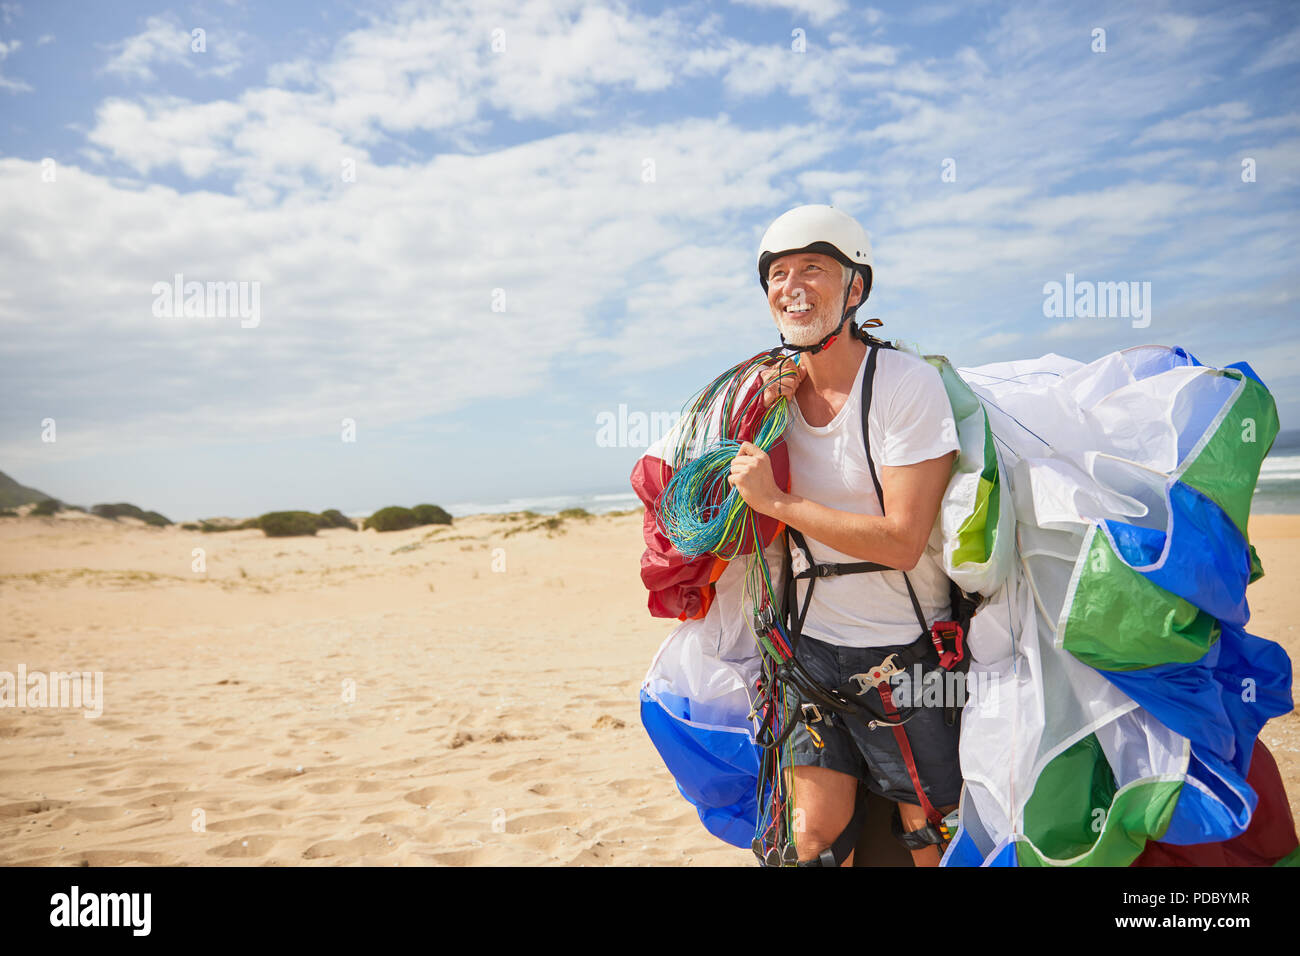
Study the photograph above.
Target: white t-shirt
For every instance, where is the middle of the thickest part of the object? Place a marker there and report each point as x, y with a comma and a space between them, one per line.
909, 408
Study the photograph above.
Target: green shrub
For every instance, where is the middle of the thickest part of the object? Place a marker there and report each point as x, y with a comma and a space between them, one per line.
189, 526
212, 527
333, 518
120, 510
286, 524
431, 514
48, 507
394, 518
124, 510
8, 513
574, 513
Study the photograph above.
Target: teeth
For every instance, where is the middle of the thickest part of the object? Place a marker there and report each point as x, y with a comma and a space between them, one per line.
791, 308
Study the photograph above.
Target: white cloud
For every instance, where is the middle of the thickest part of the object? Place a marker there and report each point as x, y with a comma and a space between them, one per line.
367, 285
444, 70
164, 41
6, 83
817, 11
1208, 122
1283, 51
367, 288
1179, 27
932, 13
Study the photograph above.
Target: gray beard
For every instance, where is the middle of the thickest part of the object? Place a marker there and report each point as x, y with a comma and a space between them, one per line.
807, 334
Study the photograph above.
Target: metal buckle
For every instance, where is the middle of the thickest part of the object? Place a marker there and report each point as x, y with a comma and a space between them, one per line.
877, 675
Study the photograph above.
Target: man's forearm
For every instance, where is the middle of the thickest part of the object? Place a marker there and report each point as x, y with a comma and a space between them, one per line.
881, 539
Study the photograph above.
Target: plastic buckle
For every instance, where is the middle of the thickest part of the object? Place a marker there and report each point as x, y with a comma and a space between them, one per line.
877, 675
812, 715
944, 633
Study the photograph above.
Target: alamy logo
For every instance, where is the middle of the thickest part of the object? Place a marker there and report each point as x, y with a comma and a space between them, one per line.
102, 909
626, 429
1098, 300
82, 689
179, 299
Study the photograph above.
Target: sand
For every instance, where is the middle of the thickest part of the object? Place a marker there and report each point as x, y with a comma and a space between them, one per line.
460, 696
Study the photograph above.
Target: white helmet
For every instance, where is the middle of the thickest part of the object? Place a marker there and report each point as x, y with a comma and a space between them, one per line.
817, 229
823, 229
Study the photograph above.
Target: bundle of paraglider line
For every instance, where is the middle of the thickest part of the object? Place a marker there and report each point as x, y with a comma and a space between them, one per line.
1114, 698
702, 514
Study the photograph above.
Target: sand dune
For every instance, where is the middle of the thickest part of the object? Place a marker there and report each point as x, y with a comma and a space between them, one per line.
461, 696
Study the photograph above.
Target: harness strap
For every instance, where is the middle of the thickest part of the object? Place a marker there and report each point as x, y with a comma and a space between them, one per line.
815, 571
931, 814
839, 851
868, 380
831, 570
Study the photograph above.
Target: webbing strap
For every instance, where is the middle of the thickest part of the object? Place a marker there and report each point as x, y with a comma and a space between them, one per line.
832, 570
868, 381
931, 814
838, 852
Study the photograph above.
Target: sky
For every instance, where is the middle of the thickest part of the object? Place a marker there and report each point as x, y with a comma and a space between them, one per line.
465, 234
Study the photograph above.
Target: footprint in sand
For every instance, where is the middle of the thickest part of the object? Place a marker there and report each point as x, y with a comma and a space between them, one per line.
96, 813
388, 816
367, 843
243, 823
116, 858
436, 796
253, 845
327, 786
30, 806
276, 774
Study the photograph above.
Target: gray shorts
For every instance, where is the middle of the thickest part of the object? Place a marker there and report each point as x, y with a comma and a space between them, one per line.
873, 756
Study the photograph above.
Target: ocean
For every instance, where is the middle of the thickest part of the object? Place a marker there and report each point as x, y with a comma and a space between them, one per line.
1277, 492
548, 505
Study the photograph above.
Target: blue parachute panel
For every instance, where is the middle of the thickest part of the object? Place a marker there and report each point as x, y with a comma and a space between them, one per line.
716, 769
1219, 704
1206, 558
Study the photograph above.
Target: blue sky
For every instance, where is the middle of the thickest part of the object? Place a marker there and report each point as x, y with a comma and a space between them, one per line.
505, 146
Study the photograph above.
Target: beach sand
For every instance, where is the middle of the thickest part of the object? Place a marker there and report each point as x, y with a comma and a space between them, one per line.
455, 696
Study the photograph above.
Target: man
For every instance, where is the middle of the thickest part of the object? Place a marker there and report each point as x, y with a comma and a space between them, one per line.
815, 265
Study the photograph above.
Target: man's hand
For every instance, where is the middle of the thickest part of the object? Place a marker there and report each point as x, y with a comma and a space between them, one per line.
782, 380
751, 475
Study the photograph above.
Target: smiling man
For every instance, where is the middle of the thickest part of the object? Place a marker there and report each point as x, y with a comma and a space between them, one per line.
815, 265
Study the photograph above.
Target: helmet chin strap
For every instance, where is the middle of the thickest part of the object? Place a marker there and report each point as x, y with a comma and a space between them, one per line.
827, 340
